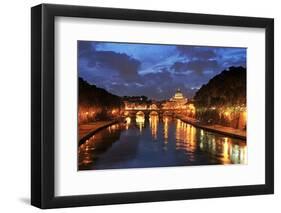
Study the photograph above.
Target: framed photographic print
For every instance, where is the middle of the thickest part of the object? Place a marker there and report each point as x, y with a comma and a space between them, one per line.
140, 106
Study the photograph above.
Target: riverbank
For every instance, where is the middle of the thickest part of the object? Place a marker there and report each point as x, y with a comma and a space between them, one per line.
87, 130
235, 133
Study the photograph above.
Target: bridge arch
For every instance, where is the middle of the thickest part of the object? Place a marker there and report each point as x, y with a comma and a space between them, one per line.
140, 113
153, 113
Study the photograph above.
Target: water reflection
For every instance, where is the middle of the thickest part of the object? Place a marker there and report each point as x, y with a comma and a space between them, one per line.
90, 151
166, 126
128, 122
153, 121
163, 141
140, 118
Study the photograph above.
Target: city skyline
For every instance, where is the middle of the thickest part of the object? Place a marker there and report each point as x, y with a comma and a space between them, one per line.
153, 70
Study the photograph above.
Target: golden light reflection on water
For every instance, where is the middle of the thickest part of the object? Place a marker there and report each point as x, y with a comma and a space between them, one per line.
223, 148
174, 134
128, 122
113, 128
140, 121
192, 135
153, 121
166, 129
185, 136
226, 150
85, 153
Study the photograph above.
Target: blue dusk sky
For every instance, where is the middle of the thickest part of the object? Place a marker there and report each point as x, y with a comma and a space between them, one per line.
153, 70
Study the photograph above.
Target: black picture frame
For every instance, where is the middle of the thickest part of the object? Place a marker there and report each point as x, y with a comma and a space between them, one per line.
43, 111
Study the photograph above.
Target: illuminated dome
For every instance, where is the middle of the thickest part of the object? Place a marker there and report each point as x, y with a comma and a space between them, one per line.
178, 95
178, 101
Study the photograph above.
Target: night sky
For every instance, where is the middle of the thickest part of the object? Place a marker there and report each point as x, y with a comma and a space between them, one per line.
155, 71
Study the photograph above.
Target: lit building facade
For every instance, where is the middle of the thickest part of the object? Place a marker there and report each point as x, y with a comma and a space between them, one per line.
177, 102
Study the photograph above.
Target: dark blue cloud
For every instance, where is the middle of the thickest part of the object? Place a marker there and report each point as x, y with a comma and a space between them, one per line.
125, 66
198, 66
194, 52
153, 70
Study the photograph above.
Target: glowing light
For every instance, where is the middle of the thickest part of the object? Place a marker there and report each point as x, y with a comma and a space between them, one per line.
166, 130
192, 136
153, 120
178, 130
128, 122
153, 106
153, 113
140, 121
140, 113
225, 150
245, 115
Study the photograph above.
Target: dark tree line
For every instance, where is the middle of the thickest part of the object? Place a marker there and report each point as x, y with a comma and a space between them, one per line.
223, 99
225, 89
99, 101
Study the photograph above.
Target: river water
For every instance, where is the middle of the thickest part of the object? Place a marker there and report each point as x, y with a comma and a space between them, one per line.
156, 141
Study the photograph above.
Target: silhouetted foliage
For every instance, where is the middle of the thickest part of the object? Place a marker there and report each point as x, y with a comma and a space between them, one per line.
223, 99
98, 99
225, 89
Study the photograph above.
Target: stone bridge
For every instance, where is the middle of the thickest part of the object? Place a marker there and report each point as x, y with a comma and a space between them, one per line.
147, 112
